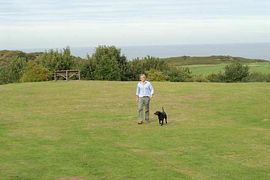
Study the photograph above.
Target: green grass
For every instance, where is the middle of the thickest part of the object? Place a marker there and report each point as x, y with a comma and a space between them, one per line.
88, 130
214, 64
206, 69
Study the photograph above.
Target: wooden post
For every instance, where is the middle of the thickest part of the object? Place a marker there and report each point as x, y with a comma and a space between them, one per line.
79, 75
66, 75
55, 76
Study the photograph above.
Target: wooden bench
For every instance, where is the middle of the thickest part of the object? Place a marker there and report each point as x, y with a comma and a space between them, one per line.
67, 74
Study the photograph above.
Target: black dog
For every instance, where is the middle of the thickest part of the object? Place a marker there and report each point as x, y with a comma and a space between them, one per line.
161, 116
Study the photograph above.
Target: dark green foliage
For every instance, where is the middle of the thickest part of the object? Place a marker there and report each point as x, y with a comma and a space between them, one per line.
16, 69
11, 72
145, 64
107, 59
236, 72
219, 77
34, 72
4, 75
88, 69
110, 64
156, 75
139, 66
57, 60
181, 74
107, 63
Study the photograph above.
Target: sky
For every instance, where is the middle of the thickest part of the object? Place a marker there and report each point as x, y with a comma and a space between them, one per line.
80, 23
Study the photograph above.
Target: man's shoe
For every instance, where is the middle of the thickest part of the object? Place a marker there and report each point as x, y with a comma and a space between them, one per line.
140, 122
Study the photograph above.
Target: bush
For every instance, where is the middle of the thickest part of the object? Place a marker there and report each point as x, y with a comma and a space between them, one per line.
88, 70
35, 72
57, 60
258, 77
236, 72
12, 71
16, 69
179, 74
138, 66
199, 78
4, 75
219, 77
155, 75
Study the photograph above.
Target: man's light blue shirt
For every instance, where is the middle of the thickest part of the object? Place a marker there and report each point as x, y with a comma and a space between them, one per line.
144, 89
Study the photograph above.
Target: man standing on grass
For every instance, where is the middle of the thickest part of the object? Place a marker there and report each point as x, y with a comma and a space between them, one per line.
144, 93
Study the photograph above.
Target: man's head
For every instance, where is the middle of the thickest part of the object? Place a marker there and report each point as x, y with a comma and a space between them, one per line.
142, 77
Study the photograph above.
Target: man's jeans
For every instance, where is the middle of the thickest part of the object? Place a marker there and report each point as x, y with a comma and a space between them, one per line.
144, 102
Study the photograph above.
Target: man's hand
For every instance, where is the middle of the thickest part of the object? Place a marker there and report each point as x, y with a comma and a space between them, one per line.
137, 98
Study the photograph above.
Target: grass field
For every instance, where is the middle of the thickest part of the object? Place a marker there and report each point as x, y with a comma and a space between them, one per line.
214, 64
88, 130
206, 69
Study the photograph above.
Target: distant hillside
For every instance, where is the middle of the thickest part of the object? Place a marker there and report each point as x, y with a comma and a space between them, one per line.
6, 56
188, 60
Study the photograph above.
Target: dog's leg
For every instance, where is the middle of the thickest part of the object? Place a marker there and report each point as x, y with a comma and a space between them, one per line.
166, 120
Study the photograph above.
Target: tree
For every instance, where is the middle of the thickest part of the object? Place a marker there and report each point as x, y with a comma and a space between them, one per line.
147, 63
15, 70
181, 74
156, 75
236, 72
110, 65
88, 69
35, 72
57, 60
4, 75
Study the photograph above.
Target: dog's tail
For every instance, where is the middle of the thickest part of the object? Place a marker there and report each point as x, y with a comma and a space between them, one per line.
163, 109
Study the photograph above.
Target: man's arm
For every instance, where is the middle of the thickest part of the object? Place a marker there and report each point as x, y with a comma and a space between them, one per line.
137, 93
151, 89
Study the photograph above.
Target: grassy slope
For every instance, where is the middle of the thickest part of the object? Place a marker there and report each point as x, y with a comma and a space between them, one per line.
88, 130
214, 64
263, 67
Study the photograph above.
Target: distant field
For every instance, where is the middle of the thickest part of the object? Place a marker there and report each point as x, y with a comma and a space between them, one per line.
215, 68
214, 64
88, 130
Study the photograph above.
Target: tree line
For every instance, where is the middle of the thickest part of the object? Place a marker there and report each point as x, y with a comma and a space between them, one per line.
108, 63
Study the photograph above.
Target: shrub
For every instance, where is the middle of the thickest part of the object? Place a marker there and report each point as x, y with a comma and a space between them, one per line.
199, 78
138, 66
35, 72
88, 70
16, 69
179, 74
57, 60
236, 72
155, 75
12, 71
219, 77
4, 75
110, 64
258, 77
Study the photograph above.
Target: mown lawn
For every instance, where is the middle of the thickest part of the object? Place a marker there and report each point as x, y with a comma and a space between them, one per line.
206, 69
88, 130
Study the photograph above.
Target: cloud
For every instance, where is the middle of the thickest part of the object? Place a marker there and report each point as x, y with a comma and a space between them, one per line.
122, 10
54, 23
